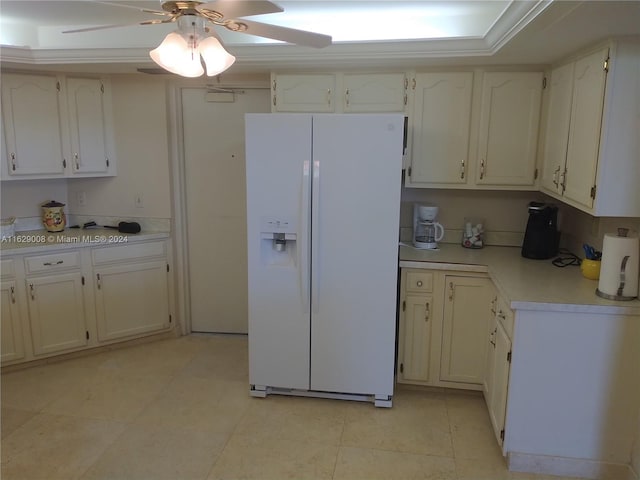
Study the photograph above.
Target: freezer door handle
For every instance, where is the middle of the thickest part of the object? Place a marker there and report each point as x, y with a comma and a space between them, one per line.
315, 244
304, 238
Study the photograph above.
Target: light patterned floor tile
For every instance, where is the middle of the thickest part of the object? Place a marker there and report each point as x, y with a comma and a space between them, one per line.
56, 447
13, 418
247, 458
417, 423
369, 464
155, 453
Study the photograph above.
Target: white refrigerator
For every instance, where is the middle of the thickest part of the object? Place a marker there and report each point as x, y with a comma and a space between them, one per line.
323, 204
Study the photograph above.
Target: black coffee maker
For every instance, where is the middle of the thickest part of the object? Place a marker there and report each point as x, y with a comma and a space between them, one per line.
542, 237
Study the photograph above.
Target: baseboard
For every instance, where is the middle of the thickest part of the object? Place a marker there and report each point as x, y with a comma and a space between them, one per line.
569, 467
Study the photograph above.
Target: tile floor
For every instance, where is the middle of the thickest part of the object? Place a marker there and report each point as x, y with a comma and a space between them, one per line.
180, 409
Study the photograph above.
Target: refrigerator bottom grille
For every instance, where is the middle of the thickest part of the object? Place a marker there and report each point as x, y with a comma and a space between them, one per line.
377, 400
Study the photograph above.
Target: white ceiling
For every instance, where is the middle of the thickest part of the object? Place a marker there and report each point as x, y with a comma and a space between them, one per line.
379, 33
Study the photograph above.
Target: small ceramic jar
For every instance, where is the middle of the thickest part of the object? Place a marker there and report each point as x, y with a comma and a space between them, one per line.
53, 217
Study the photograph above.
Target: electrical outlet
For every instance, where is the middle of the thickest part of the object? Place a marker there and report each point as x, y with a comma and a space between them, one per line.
81, 199
139, 201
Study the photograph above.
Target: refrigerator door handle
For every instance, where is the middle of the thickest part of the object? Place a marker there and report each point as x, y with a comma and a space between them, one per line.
315, 244
303, 245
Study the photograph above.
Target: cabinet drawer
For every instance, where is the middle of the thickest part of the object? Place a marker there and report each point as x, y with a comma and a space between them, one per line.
419, 282
505, 316
52, 262
7, 268
135, 251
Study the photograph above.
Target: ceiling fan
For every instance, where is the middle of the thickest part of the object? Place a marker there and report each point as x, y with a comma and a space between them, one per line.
180, 51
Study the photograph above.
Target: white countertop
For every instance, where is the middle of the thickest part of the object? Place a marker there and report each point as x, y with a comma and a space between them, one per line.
526, 284
37, 241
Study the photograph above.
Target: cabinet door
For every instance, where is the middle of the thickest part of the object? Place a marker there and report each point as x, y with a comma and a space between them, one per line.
384, 92
441, 120
88, 126
557, 130
32, 120
586, 120
417, 320
500, 381
487, 386
56, 312
303, 93
131, 299
508, 131
466, 316
12, 342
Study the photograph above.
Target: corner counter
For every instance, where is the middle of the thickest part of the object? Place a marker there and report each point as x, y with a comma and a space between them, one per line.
525, 283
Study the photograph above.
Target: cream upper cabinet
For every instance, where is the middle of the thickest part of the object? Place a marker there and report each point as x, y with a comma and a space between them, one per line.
303, 92
380, 92
33, 115
441, 124
90, 126
466, 318
560, 87
56, 126
599, 168
508, 128
11, 334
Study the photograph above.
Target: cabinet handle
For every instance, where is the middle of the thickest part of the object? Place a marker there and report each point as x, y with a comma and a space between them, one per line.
99, 283
450, 290
13, 161
75, 157
48, 264
462, 169
419, 283
13, 295
492, 337
274, 100
33, 296
481, 169
556, 173
502, 315
427, 313
346, 97
493, 305
328, 96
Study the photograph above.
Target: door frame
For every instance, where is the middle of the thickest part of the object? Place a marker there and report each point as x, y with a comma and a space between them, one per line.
175, 142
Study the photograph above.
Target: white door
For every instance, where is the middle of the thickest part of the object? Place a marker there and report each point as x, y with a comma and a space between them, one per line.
216, 207
355, 251
278, 190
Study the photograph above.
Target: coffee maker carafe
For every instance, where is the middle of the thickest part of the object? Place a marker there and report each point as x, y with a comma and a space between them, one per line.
426, 231
541, 237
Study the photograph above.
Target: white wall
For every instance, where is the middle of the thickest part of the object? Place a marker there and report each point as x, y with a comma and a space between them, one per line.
504, 212
140, 118
22, 198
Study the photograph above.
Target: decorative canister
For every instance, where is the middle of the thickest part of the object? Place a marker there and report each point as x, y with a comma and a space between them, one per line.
53, 217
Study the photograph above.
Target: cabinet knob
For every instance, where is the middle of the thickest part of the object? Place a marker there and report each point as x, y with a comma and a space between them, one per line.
419, 283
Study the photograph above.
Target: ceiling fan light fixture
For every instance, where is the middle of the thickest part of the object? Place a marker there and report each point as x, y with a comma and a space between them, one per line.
177, 56
215, 57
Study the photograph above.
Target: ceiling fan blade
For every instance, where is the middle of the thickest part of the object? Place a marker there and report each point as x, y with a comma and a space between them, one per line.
240, 8
144, 10
104, 27
285, 34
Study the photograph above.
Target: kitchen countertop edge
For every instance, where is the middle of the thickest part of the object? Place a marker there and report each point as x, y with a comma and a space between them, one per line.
526, 284
42, 241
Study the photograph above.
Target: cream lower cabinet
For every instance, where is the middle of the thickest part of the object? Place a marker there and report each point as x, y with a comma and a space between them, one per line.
56, 312
441, 336
131, 290
12, 341
498, 365
466, 316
